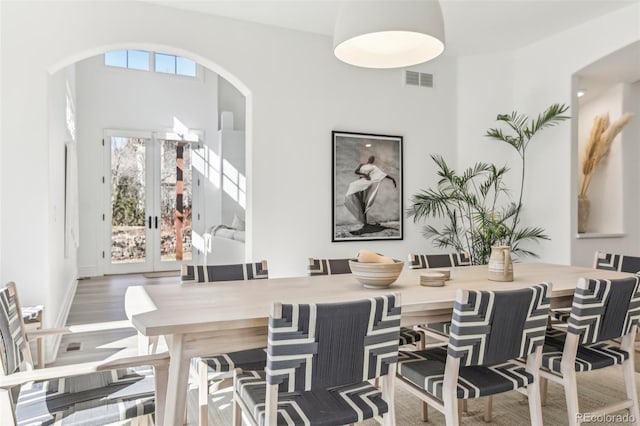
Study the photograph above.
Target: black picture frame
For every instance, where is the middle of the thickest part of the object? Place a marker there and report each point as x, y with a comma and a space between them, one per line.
367, 194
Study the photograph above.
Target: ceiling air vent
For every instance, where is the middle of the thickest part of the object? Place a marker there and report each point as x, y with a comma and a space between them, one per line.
419, 79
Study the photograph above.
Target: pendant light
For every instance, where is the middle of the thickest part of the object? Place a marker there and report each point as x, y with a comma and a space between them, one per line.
388, 34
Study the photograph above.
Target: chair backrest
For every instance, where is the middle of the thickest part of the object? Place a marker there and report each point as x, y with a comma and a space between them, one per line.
332, 344
491, 327
426, 261
604, 309
232, 272
328, 266
617, 262
14, 349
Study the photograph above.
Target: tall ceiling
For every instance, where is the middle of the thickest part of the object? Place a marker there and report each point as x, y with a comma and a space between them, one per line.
471, 26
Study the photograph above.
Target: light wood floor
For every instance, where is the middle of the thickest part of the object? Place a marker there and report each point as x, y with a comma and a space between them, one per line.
102, 331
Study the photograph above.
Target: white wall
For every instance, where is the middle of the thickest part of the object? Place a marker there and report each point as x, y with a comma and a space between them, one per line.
62, 125
297, 93
233, 194
25, 163
122, 99
1, 118
533, 78
485, 89
230, 99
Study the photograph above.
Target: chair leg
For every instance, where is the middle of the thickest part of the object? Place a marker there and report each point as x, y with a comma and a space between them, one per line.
40, 342
161, 380
452, 411
6, 407
571, 396
203, 393
632, 393
425, 412
488, 408
535, 405
544, 385
237, 411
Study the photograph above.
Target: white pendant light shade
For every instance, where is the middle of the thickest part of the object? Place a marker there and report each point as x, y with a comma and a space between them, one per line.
388, 34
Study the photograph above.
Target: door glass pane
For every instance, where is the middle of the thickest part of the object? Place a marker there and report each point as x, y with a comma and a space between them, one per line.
175, 201
128, 197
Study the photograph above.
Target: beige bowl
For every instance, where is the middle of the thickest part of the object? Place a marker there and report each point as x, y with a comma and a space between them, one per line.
376, 275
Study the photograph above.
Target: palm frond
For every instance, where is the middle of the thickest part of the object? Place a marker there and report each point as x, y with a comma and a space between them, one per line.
548, 118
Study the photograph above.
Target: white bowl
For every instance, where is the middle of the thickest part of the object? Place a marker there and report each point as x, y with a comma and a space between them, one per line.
376, 275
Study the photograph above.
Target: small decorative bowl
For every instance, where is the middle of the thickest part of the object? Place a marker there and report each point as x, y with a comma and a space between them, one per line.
376, 275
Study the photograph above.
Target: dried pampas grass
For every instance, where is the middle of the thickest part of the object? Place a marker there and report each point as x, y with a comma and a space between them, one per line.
599, 145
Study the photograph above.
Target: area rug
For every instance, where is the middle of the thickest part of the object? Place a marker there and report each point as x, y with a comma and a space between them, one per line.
509, 409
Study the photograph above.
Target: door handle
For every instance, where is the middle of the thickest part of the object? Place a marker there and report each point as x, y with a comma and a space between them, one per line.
149, 222
156, 222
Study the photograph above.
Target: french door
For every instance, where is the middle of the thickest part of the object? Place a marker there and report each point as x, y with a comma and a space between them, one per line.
149, 202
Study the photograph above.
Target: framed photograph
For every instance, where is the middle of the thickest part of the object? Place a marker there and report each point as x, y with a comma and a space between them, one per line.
367, 187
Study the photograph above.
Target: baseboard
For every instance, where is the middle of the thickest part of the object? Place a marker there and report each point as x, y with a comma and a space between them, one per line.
87, 271
51, 351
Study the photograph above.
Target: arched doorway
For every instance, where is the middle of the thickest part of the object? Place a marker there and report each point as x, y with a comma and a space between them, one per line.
149, 129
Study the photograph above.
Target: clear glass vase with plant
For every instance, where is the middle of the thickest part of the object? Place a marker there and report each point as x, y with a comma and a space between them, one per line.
476, 204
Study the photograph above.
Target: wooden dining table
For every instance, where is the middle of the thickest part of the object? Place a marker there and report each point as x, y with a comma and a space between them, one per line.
211, 318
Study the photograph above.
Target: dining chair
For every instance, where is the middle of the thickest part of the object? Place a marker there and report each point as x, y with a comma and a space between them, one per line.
316, 267
437, 333
608, 262
77, 394
602, 310
230, 272
318, 369
214, 369
490, 331
33, 318
426, 261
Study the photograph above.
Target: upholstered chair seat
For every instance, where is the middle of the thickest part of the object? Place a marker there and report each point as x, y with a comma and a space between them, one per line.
99, 398
588, 357
426, 369
339, 405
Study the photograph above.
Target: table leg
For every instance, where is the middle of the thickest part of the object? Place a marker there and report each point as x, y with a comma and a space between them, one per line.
177, 383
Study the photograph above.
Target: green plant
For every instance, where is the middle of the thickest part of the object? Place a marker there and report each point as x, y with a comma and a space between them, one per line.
477, 203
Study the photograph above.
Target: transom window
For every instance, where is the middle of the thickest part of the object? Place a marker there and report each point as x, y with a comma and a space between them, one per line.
145, 61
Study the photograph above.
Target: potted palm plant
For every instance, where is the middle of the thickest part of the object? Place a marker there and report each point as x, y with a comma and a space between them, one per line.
476, 204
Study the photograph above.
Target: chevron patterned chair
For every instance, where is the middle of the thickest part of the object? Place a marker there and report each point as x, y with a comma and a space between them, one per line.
602, 310
77, 394
33, 317
316, 267
216, 273
318, 370
212, 370
608, 262
437, 333
490, 331
427, 261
